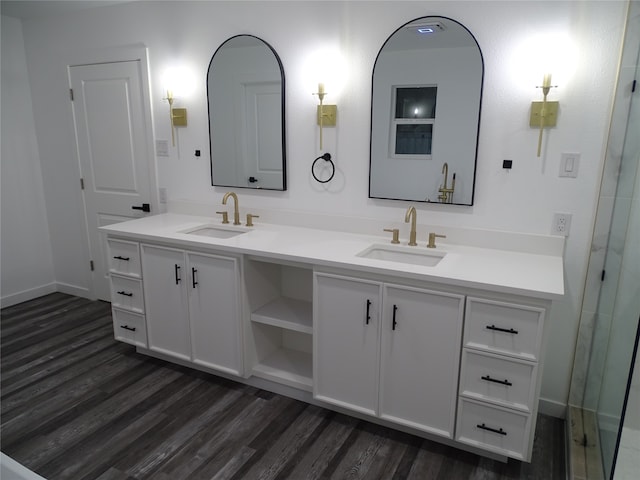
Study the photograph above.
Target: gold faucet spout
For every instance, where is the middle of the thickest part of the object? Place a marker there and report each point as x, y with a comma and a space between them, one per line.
411, 215
236, 210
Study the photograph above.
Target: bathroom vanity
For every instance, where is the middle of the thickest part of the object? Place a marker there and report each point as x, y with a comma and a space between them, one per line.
442, 342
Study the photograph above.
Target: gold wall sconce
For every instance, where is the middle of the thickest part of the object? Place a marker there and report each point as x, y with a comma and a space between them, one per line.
544, 113
326, 114
178, 116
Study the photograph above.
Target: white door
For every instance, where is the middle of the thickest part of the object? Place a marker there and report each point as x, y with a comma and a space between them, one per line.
214, 312
111, 124
420, 354
166, 304
263, 135
346, 346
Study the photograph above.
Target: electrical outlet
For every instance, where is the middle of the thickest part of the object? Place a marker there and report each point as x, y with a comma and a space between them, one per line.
561, 224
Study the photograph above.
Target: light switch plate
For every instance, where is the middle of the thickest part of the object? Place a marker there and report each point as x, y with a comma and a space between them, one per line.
569, 164
162, 148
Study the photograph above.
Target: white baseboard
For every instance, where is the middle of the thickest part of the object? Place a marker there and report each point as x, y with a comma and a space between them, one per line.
552, 408
25, 295
73, 290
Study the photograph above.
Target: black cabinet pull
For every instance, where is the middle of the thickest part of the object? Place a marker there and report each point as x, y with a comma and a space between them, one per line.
118, 257
193, 277
505, 330
253, 180
177, 271
501, 382
484, 427
394, 323
122, 292
145, 207
127, 327
368, 318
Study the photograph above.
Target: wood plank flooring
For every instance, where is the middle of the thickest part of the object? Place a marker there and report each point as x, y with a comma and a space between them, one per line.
78, 405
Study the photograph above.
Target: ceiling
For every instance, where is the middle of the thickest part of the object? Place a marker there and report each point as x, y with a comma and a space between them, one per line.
25, 9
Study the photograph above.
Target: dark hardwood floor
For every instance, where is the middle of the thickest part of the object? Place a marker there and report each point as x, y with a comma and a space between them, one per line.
76, 404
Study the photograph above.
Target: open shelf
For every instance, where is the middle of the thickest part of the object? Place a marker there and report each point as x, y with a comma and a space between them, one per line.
285, 312
287, 366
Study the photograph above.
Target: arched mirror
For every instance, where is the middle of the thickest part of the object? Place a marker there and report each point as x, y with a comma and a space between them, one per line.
425, 113
245, 91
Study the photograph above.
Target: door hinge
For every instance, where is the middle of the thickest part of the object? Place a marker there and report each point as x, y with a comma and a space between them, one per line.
91, 265
82, 183
602, 276
71, 94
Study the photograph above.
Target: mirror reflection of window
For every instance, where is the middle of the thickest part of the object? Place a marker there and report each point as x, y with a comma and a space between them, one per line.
412, 125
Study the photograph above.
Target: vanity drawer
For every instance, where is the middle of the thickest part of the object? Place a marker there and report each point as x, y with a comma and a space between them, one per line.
502, 431
129, 327
498, 379
127, 293
124, 258
505, 328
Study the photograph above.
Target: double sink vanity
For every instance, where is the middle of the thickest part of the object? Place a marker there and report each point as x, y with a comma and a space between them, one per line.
443, 342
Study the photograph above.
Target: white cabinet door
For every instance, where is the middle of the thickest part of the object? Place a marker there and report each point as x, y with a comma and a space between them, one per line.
214, 312
166, 301
420, 354
346, 346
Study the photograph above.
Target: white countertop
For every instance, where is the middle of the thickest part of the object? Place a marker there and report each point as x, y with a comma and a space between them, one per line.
529, 274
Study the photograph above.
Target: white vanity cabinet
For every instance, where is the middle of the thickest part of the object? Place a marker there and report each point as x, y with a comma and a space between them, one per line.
451, 351
388, 350
500, 375
192, 306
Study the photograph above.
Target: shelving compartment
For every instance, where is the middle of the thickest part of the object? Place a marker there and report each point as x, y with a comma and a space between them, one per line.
278, 341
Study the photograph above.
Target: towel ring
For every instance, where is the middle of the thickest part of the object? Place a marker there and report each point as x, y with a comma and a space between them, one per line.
326, 157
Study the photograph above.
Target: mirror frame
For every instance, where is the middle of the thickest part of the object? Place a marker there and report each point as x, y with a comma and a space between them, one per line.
283, 117
477, 133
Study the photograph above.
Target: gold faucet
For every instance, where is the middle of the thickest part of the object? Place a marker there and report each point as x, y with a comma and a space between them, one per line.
411, 214
236, 211
446, 194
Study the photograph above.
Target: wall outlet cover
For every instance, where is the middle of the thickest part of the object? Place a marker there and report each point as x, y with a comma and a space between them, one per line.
561, 224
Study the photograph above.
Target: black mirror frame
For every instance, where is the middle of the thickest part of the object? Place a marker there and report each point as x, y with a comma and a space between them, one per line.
283, 112
475, 164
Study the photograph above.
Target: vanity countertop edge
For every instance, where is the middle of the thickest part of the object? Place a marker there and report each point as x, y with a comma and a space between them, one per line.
520, 273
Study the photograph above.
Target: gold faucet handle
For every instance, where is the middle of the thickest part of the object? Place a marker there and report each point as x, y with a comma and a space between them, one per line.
396, 234
432, 239
225, 216
250, 218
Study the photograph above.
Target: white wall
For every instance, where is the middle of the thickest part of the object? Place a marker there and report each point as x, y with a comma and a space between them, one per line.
523, 199
27, 264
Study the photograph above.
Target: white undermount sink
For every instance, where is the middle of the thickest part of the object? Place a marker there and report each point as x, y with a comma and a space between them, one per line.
216, 231
402, 254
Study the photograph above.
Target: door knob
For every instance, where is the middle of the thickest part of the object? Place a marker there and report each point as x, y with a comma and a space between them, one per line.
145, 207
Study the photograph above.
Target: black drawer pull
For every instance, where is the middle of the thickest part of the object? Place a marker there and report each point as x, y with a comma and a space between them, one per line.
122, 292
394, 323
118, 257
193, 277
177, 271
505, 330
127, 327
501, 382
368, 318
484, 427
